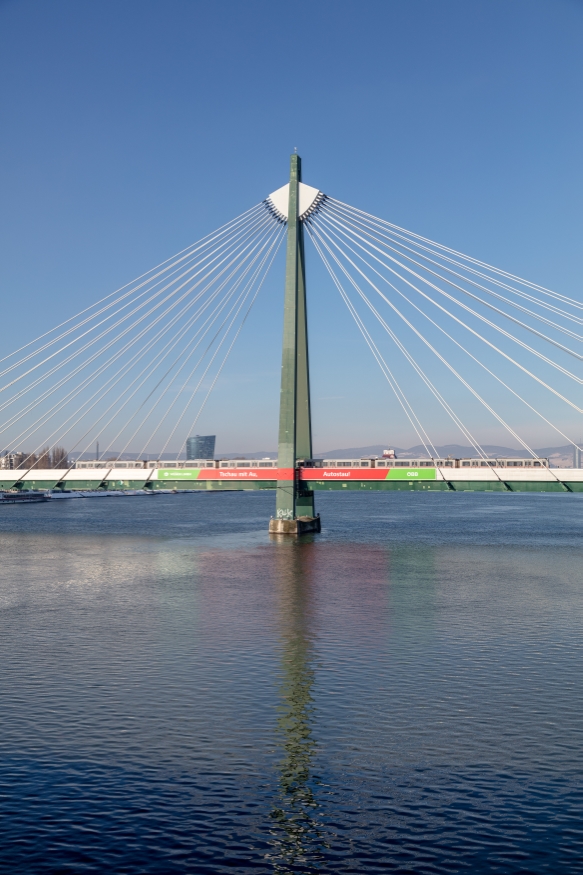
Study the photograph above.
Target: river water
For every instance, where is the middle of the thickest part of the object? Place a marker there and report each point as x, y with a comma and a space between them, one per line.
403, 692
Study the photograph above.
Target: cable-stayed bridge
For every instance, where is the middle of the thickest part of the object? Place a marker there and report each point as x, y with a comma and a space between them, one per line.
136, 369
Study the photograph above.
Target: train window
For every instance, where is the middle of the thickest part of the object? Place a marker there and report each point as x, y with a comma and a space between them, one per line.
466, 464
536, 464
380, 464
344, 464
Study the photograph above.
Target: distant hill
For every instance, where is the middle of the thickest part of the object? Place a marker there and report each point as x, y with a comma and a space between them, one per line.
456, 450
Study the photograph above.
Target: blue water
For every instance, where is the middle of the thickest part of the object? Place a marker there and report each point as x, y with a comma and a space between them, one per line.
402, 693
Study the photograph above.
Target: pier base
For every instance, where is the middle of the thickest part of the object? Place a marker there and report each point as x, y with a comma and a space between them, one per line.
300, 526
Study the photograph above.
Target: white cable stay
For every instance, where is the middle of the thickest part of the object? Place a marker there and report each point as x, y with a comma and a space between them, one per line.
103, 390
479, 336
387, 373
444, 361
162, 418
127, 316
433, 389
468, 309
378, 357
224, 361
548, 292
489, 371
397, 247
169, 385
175, 259
249, 288
132, 326
415, 246
133, 340
127, 366
423, 279
96, 373
98, 434
92, 342
485, 367
207, 325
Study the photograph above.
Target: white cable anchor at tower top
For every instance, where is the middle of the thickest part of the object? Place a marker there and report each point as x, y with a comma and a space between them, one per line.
310, 200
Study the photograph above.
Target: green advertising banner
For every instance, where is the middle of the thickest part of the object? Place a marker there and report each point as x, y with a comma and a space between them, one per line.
178, 474
410, 474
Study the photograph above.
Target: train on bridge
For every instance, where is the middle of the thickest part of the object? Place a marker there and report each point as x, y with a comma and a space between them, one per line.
456, 475
365, 462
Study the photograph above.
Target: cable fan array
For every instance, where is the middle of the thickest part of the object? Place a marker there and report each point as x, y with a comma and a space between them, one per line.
139, 365
441, 299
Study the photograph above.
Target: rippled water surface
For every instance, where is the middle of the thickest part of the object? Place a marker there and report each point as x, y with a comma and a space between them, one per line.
401, 693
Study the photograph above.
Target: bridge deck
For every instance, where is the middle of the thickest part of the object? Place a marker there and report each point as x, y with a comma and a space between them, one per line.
456, 479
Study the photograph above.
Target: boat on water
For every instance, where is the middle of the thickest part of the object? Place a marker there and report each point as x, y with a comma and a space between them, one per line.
95, 493
24, 497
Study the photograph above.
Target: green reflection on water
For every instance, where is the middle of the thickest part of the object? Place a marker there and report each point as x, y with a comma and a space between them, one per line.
296, 829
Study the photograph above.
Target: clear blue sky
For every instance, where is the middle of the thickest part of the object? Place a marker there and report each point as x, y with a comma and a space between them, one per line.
130, 129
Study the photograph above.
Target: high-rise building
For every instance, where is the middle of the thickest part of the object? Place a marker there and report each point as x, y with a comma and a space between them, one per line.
201, 446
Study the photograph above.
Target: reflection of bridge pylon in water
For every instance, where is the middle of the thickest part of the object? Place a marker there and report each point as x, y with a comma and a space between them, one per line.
296, 828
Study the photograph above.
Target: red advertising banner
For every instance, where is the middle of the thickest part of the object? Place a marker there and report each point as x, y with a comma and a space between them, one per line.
343, 474
410, 474
224, 474
304, 474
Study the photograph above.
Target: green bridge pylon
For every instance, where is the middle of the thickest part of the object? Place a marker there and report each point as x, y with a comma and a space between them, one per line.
295, 511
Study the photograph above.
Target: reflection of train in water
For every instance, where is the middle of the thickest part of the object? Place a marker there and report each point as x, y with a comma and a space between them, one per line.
369, 462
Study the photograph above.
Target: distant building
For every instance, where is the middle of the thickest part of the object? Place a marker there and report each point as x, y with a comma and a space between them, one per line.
110, 463
389, 454
201, 446
11, 461
577, 452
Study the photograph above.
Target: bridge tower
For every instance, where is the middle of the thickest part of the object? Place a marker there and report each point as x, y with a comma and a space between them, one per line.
295, 512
